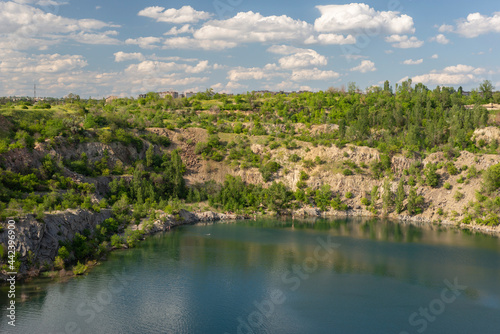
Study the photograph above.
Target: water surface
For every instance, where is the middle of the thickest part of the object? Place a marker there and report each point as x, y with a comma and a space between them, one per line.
270, 276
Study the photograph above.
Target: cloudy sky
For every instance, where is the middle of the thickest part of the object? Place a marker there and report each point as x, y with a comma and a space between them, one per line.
121, 47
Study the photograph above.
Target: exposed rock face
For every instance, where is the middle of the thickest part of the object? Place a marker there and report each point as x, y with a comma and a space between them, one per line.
42, 237
164, 222
487, 134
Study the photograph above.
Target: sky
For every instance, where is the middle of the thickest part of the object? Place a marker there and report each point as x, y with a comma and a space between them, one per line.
125, 48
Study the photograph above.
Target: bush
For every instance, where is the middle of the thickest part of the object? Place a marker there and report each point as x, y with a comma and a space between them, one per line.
365, 201
349, 195
458, 196
303, 176
63, 253
294, 158
268, 170
447, 186
116, 241
347, 172
491, 178
58, 263
451, 168
80, 269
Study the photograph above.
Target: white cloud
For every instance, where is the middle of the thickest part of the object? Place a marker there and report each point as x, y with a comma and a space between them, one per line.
404, 42
144, 42
331, 39
435, 56
251, 27
413, 62
445, 28
313, 74
202, 66
123, 56
460, 68
255, 73
185, 29
365, 66
476, 24
20, 22
191, 43
298, 57
451, 75
185, 14
97, 38
358, 17
444, 79
45, 63
441, 39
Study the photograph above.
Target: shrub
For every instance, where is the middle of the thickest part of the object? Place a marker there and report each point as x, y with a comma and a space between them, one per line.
116, 241
451, 168
349, 195
491, 178
365, 201
347, 172
63, 253
303, 176
80, 269
458, 196
447, 186
294, 158
58, 263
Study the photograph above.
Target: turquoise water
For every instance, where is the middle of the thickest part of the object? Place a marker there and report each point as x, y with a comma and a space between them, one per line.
269, 276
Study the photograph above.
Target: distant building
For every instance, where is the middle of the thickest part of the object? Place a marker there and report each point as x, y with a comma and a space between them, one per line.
143, 96
189, 94
111, 98
165, 94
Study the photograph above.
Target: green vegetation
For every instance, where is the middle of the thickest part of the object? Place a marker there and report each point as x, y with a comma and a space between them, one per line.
119, 156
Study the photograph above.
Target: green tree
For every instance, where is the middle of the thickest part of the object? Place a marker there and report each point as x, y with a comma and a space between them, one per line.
387, 196
400, 196
491, 178
150, 156
323, 196
431, 177
486, 88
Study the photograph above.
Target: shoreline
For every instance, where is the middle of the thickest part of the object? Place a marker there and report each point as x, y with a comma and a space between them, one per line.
167, 222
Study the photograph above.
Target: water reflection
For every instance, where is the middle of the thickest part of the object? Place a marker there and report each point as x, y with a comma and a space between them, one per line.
174, 276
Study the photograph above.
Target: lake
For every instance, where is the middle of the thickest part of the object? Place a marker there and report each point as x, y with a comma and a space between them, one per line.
279, 276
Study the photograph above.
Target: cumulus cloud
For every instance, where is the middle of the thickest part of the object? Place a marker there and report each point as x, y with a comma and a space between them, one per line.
123, 56
451, 75
185, 29
358, 17
460, 68
45, 63
476, 24
254, 73
192, 43
144, 42
413, 62
313, 74
446, 28
24, 22
365, 66
435, 56
404, 42
331, 39
297, 57
251, 27
185, 14
441, 39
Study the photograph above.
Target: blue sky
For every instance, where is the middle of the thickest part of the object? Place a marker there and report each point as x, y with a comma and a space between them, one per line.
101, 48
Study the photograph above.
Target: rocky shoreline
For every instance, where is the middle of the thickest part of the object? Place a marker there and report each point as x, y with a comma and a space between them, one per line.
38, 241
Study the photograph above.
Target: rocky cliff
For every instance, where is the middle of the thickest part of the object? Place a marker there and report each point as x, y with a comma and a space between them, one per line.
37, 241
